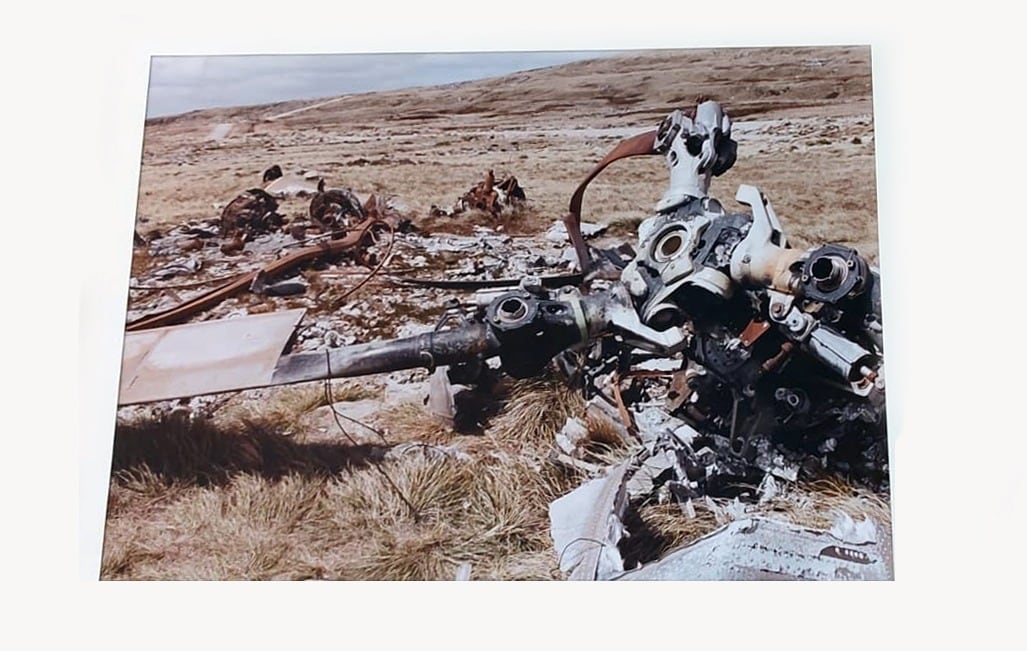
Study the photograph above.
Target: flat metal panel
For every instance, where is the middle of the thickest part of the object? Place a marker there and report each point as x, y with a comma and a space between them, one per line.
200, 358
759, 549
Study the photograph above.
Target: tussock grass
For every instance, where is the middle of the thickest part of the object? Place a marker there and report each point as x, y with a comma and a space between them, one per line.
248, 529
534, 410
357, 524
410, 421
239, 498
282, 406
493, 516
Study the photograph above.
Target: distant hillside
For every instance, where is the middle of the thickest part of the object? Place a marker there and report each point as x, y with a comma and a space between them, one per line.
612, 91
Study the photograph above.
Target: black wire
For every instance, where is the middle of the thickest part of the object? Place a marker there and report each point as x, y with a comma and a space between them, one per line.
331, 401
380, 434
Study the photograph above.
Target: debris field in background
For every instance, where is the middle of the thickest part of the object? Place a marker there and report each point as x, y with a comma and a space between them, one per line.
488, 196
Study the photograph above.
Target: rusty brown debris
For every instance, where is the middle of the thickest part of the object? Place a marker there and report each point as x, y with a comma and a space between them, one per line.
251, 213
331, 209
490, 197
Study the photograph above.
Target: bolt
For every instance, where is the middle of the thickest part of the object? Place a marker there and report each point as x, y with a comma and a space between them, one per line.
746, 259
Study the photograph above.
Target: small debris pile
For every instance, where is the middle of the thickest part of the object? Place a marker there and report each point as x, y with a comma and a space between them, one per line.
335, 209
487, 197
254, 212
272, 173
183, 263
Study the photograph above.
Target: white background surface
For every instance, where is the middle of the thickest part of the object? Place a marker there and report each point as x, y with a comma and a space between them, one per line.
949, 176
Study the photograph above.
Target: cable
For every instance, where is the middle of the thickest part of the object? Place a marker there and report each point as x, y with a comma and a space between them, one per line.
331, 401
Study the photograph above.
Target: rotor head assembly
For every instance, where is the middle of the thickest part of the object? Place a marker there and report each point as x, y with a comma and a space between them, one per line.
697, 148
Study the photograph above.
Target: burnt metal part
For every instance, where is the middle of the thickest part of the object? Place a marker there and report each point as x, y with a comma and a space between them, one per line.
697, 145
763, 549
833, 272
586, 526
428, 350
490, 196
719, 239
378, 207
512, 188
531, 330
283, 288
329, 209
753, 331
840, 354
251, 213
272, 173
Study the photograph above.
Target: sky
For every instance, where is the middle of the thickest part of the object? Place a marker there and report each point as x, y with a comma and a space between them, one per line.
185, 83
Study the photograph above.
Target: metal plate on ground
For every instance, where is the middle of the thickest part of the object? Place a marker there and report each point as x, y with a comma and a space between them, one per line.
201, 358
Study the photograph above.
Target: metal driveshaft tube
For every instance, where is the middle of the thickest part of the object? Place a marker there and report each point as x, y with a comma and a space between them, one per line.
428, 350
524, 330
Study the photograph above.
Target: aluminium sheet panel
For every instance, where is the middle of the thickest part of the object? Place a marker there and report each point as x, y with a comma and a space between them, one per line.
207, 357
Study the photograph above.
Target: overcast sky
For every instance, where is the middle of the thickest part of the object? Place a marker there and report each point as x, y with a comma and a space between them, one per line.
185, 83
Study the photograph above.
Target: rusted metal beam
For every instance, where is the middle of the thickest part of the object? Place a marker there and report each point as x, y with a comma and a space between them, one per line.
640, 145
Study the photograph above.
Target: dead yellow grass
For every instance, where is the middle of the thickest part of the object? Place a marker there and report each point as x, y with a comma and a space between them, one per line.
410, 421
534, 411
351, 526
279, 408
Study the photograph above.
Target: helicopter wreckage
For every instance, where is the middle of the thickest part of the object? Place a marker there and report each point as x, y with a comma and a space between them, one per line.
730, 361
